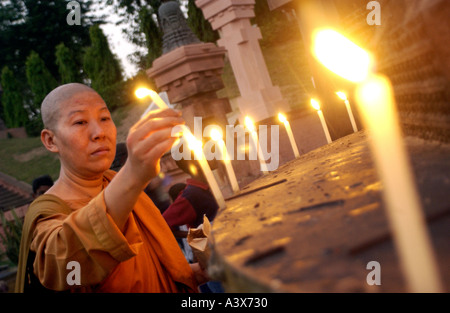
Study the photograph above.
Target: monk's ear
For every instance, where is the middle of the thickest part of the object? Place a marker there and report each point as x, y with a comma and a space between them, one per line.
48, 139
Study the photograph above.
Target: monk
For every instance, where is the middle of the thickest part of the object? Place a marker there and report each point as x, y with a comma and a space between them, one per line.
95, 230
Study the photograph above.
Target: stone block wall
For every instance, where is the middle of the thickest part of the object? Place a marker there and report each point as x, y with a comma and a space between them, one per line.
411, 47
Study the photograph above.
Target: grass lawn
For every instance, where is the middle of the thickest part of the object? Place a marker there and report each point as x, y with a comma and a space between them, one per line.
26, 158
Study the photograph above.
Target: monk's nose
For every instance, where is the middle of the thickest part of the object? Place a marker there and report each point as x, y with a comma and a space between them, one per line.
97, 131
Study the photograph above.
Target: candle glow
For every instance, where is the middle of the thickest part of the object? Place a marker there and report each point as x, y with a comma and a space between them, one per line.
254, 138
193, 144
316, 105
197, 147
217, 137
376, 101
287, 125
341, 56
343, 96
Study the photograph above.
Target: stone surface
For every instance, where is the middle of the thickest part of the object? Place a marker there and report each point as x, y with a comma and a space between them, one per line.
315, 223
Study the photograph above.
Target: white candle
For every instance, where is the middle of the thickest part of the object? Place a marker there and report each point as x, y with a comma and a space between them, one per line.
255, 142
375, 98
217, 137
287, 125
144, 92
376, 103
196, 146
343, 96
193, 144
316, 106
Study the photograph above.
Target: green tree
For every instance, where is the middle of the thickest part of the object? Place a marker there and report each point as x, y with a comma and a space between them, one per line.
153, 36
275, 26
103, 68
13, 105
68, 69
27, 25
41, 82
145, 31
199, 25
39, 79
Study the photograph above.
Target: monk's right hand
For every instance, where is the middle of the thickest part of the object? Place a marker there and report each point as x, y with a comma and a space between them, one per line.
148, 140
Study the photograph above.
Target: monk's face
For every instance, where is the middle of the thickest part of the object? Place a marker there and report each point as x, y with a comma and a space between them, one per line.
85, 135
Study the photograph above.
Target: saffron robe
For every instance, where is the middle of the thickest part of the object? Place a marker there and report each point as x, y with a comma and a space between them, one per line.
145, 257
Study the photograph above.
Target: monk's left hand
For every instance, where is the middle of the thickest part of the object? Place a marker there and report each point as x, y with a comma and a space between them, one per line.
200, 274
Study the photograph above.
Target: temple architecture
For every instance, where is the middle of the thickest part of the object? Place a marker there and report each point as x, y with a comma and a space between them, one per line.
259, 97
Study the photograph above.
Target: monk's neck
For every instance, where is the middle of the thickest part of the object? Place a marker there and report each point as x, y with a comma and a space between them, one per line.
72, 186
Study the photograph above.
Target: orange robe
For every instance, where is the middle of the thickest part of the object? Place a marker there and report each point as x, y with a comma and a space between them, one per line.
145, 257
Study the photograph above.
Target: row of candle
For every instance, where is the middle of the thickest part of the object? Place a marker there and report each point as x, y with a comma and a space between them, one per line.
216, 135
375, 99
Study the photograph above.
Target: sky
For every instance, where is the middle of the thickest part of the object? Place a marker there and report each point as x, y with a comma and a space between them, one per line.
119, 45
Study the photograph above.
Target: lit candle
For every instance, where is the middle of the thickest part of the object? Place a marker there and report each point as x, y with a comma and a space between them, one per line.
284, 120
376, 103
254, 139
144, 92
217, 137
316, 105
196, 146
193, 144
343, 96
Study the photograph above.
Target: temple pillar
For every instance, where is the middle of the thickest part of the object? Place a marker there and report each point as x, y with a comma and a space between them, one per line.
190, 72
259, 97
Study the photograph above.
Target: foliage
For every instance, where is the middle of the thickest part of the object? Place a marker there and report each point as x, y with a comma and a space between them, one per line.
65, 60
275, 27
148, 34
39, 78
27, 25
199, 25
41, 82
11, 238
100, 63
153, 36
14, 112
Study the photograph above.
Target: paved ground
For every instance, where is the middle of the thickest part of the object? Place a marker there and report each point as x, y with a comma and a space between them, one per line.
318, 221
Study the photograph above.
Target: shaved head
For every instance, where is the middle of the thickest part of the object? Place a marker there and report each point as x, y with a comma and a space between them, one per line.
51, 104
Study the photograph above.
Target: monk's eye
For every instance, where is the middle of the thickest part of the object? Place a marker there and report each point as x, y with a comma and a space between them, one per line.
80, 122
105, 118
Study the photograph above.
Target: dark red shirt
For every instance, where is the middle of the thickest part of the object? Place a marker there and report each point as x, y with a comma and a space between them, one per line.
191, 204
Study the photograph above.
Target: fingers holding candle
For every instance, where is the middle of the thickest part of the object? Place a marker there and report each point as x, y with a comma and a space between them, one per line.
169, 114
193, 144
147, 141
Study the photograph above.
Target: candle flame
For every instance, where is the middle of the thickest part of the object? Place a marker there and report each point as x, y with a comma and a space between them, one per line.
375, 92
341, 95
215, 134
249, 123
194, 144
341, 55
315, 104
282, 118
142, 92
193, 170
